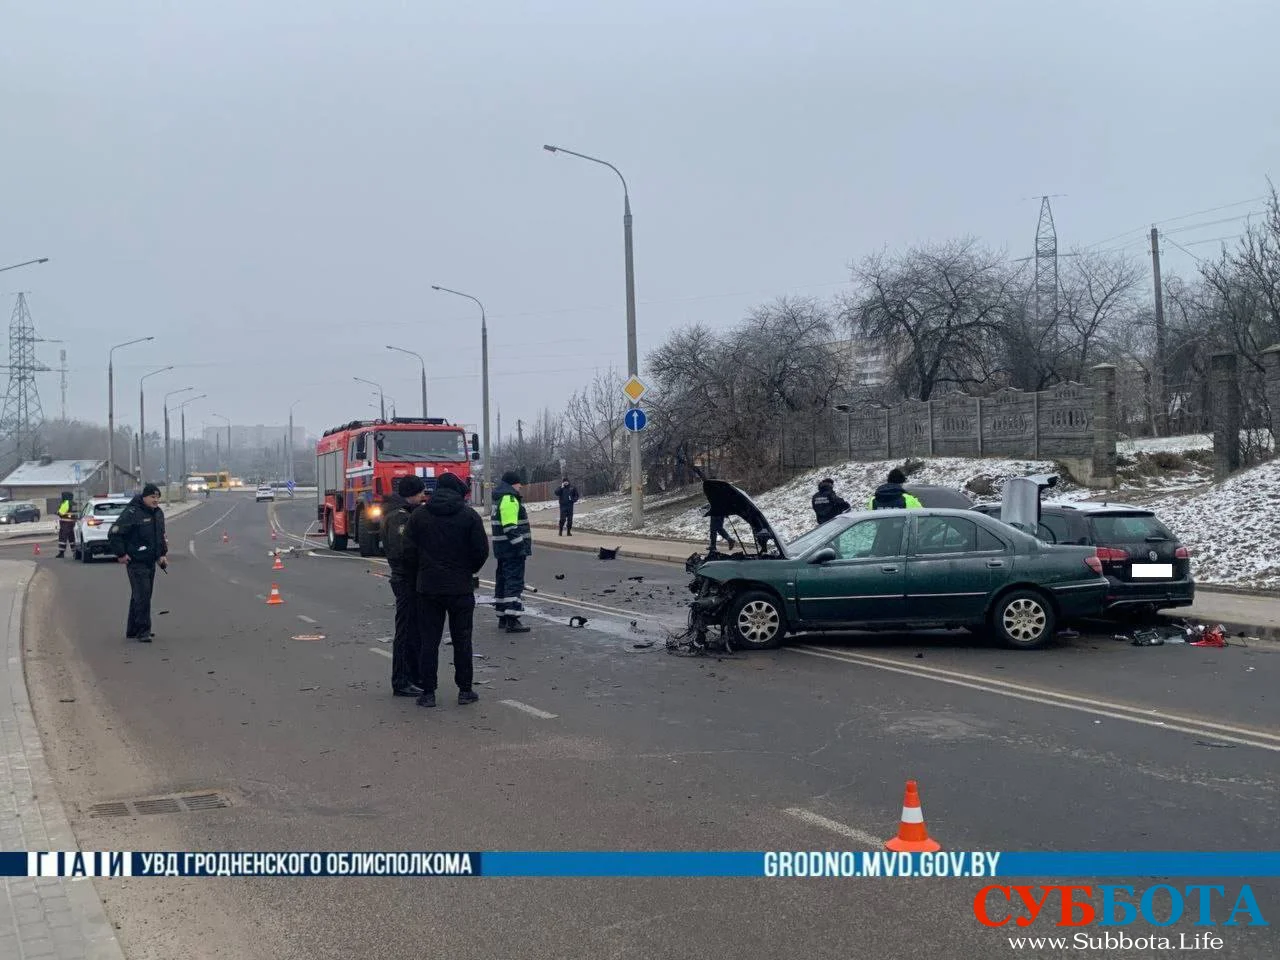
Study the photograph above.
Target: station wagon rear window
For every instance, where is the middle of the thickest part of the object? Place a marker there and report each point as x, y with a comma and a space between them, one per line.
1128, 528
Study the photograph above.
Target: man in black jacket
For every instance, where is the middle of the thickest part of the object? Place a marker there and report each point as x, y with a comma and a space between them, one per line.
568, 496
402, 559
449, 540
826, 503
137, 539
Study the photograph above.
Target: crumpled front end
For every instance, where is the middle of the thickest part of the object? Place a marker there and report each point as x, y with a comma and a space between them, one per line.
707, 609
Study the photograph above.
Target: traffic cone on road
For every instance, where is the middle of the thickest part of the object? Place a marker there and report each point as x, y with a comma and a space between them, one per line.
226, 537
277, 565
275, 597
36, 551
273, 535
913, 836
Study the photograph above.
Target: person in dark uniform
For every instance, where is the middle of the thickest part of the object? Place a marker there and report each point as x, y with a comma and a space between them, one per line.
137, 539
568, 496
66, 521
452, 547
403, 561
717, 531
826, 503
512, 546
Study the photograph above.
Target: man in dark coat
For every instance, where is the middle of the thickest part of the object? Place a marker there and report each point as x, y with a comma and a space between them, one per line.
403, 561
512, 545
451, 547
137, 539
568, 496
826, 503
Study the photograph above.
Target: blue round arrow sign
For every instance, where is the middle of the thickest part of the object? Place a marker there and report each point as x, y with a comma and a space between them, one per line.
634, 420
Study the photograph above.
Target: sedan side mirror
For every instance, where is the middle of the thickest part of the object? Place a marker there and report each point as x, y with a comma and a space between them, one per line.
825, 555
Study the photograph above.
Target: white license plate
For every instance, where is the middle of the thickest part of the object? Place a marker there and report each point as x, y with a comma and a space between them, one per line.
1153, 571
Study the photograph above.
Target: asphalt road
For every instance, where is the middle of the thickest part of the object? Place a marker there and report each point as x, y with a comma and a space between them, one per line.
1091, 745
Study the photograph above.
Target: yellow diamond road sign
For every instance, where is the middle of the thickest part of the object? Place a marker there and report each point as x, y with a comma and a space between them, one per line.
634, 388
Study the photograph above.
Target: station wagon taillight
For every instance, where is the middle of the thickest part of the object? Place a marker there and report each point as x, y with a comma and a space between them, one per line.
1093, 563
1182, 553
1112, 554
92, 522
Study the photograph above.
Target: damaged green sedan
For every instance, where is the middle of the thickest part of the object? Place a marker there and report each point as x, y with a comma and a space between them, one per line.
897, 570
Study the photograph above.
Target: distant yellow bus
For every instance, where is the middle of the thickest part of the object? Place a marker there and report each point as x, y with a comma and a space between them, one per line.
217, 480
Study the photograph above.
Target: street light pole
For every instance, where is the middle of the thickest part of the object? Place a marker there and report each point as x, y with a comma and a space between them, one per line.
182, 409
424, 374
26, 263
168, 475
290, 441
382, 402
486, 469
111, 408
142, 423
228, 419
633, 361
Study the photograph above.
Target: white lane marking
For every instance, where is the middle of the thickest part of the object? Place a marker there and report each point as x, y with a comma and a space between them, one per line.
218, 521
381, 653
383, 640
262, 596
236, 582
532, 711
835, 826
303, 616
1149, 718
191, 547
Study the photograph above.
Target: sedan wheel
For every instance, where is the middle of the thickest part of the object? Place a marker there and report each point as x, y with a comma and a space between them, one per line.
1024, 620
756, 620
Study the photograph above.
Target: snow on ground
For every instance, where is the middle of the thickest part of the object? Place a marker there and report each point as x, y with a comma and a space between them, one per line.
1232, 529
1190, 441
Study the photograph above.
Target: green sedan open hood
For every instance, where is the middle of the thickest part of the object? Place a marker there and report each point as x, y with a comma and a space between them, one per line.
726, 500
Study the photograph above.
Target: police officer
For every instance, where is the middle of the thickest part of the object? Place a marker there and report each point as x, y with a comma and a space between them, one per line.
826, 503
402, 558
512, 545
66, 521
891, 495
137, 539
567, 494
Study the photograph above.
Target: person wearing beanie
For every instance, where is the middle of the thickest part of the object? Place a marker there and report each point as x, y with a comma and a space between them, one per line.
449, 541
512, 545
137, 539
567, 494
397, 508
892, 496
826, 503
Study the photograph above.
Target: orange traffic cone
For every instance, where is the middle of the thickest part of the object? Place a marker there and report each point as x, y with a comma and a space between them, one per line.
273, 535
277, 565
913, 836
275, 597
226, 538
36, 551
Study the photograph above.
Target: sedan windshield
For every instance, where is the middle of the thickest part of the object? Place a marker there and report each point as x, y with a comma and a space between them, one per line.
815, 537
450, 445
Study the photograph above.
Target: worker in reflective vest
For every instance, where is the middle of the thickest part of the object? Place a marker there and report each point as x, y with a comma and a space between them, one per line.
66, 522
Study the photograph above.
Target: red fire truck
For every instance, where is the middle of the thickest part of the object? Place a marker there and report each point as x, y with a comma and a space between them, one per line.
359, 463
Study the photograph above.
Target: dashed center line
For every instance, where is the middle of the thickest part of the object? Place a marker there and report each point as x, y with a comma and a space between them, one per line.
380, 652
532, 711
306, 619
835, 826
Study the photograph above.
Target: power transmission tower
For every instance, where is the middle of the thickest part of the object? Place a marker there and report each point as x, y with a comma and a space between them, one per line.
22, 416
1046, 267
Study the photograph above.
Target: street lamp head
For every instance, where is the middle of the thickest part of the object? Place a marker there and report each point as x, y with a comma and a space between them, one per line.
43, 260
434, 287
549, 148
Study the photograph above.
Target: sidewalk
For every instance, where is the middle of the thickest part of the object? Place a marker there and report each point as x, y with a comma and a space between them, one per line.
47, 918
1256, 616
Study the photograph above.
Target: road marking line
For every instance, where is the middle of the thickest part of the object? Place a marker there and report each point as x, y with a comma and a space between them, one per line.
532, 711
218, 521
262, 596
191, 548
835, 826
1149, 718
236, 582
384, 639
303, 616
381, 653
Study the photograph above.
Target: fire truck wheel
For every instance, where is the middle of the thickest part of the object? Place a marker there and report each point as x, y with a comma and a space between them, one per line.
368, 539
337, 541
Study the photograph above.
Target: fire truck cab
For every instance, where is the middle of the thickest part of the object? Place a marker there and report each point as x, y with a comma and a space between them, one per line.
359, 463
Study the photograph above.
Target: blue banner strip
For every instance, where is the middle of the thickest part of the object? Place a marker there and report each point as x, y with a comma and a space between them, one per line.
1111, 864
622, 864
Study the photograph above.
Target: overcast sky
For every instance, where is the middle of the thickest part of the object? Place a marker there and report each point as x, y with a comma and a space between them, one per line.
270, 187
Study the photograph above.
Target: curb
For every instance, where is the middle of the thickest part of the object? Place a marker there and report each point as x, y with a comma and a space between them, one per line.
623, 552
49, 829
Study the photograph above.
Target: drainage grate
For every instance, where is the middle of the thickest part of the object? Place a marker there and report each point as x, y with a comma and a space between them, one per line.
180, 803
